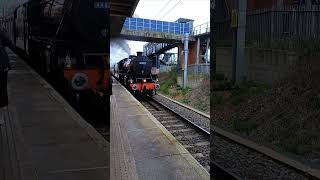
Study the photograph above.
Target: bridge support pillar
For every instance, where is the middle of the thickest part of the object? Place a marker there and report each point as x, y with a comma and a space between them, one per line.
208, 48
185, 71
198, 50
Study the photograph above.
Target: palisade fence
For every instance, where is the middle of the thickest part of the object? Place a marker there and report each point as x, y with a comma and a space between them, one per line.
266, 25
197, 69
167, 68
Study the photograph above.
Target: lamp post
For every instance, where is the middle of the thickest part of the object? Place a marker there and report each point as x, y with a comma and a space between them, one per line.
239, 37
185, 72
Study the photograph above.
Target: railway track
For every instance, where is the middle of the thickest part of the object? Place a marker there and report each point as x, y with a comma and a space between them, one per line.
198, 120
233, 157
248, 160
193, 137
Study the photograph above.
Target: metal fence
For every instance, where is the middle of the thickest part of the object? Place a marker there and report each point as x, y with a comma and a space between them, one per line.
197, 69
168, 68
201, 29
265, 25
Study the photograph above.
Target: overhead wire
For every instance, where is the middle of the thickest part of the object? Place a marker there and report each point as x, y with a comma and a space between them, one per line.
163, 8
170, 10
134, 45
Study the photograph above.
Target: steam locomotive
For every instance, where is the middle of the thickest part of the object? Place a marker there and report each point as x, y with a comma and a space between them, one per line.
138, 75
65, 41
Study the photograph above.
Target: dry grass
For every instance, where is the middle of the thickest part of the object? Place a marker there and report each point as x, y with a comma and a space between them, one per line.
286, 115
198, 97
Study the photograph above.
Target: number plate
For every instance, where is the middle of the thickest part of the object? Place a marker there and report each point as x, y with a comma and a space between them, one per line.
100, 5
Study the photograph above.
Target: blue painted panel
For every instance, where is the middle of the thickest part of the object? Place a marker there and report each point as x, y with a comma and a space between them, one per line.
147, 21
132, 27
158, 26
133, 23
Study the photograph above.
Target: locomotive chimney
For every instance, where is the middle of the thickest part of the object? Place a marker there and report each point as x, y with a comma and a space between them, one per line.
139, 53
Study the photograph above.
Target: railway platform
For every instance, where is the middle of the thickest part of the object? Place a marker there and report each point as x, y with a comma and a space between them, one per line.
42, 137
141, 147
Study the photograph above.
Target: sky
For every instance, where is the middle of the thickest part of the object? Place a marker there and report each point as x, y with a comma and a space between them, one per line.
166, 10
171, 10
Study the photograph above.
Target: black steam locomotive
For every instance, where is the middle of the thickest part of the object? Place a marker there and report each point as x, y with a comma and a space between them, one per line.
138, 75
65, 41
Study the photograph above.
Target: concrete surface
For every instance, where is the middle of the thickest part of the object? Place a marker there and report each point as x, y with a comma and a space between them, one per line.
141, 148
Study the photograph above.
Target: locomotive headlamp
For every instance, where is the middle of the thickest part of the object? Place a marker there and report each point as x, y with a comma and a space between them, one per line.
144, 80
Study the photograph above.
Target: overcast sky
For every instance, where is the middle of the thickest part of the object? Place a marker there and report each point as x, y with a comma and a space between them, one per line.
165, 10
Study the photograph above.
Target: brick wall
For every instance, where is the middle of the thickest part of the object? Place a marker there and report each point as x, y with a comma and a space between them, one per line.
192, 54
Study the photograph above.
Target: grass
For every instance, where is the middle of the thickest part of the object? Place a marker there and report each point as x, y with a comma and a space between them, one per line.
197, 97
201, 106
245, 126
217, 100
168, 80
234, 95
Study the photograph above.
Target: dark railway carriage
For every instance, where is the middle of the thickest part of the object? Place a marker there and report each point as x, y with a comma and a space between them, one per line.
65, 41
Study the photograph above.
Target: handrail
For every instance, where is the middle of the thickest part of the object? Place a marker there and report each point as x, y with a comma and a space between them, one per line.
201, 29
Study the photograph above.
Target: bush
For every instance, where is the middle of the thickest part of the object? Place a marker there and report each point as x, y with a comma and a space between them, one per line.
168, 79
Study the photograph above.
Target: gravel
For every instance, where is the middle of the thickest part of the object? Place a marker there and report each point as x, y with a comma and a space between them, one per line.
249, 164
185, 113
200, 153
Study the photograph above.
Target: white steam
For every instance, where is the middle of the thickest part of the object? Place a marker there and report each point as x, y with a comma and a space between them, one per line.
119, 49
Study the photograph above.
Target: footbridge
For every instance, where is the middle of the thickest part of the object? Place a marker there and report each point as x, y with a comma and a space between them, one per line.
139, 29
